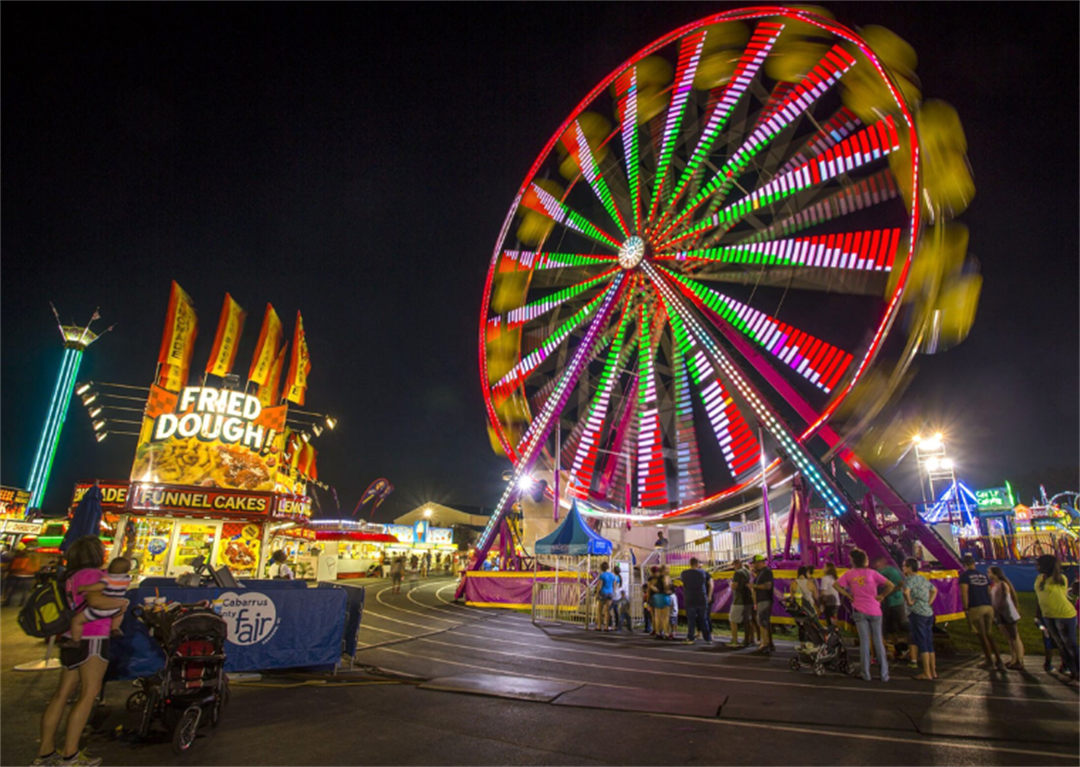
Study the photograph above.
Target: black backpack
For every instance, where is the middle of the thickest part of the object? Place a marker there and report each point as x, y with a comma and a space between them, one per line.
47, 611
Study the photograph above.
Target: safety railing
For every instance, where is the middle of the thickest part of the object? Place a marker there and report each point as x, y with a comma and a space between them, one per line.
1022, 546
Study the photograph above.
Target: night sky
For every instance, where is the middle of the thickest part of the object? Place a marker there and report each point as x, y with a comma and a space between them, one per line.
356, 161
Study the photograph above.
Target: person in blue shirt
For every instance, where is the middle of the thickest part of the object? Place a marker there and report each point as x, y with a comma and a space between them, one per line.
605, 596
975, 594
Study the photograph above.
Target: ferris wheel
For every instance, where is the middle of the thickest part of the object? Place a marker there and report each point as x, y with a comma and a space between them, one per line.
707, 254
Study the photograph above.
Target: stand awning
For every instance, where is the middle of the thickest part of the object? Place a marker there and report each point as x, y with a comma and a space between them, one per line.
574, 537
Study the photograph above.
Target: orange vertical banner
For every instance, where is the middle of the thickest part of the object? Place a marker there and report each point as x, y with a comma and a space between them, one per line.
299, 365
227, 340
268, 392
266, 348
178, 340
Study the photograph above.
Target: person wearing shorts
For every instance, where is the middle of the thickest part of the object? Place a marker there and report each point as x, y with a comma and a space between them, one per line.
742, 605
84, 662
919, 593
397, 571
763, 603
975, 594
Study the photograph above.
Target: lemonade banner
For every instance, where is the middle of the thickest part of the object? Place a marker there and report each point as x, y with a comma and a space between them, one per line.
113, 495
178, 340
209, 437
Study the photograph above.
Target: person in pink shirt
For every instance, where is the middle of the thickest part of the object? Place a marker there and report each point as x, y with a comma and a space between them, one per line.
84, 662
862, 586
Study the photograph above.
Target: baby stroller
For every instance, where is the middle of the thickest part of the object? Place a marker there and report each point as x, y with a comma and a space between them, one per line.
823, 649
191, 688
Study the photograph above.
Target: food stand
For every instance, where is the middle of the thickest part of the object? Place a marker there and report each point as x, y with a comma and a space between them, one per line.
218, 472
13, 522
164, 529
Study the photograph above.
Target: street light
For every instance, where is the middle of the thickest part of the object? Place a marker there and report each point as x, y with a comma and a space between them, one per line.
83, 388
101, 436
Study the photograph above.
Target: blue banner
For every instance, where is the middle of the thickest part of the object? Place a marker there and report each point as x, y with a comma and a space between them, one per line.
271, 628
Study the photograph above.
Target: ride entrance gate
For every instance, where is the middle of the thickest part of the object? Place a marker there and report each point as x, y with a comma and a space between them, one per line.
564, 590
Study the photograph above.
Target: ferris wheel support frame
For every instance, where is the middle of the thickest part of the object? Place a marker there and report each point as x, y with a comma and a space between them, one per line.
875, 483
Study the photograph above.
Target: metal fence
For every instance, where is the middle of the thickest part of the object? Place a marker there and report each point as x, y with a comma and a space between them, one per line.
1022, 546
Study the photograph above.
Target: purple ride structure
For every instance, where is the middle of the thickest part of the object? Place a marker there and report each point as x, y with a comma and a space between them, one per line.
713, 246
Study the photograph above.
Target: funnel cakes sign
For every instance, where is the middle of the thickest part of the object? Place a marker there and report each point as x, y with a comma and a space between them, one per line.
209, 437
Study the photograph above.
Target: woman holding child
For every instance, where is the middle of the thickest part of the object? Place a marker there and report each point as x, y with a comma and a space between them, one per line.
84, 661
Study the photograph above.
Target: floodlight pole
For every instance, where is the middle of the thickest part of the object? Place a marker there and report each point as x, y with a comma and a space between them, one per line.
76, 340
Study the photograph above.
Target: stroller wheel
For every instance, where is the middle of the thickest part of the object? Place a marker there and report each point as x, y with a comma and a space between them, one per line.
184, 734
136, 701
147, 712
842, 666
819, 669
215, 712
794, 663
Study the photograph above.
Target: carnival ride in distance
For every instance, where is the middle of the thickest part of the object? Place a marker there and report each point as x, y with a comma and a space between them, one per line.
703, 265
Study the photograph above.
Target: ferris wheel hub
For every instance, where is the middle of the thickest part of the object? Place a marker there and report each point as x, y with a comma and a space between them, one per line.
632, 253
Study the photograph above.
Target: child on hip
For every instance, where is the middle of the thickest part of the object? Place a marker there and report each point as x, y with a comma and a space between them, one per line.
114, 583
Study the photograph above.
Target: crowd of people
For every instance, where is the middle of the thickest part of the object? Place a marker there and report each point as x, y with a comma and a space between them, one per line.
891, 609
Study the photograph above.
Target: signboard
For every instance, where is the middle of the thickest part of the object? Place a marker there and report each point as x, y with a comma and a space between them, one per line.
210, 438
293, 506
994, 498
149, 497
22, 528
13, 502
113, 495
404, 533
303, 533
440, 535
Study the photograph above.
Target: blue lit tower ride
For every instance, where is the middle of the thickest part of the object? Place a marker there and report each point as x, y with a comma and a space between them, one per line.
76, 340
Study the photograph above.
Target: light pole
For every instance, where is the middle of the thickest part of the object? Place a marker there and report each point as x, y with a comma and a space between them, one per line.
935, 464
76, 340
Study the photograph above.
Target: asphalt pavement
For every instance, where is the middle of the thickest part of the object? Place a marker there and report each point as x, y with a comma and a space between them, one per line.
472, 686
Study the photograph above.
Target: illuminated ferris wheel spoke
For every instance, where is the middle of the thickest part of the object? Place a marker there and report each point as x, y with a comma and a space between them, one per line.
873, 190
535, 309
685, 70
688, 457
626, 92
543, 202
866, 146
651, 479
517, 374
584, 464
816, 83
820, 363
578, 146
832, 131
736, 439
528, 259
761, 43
872, 250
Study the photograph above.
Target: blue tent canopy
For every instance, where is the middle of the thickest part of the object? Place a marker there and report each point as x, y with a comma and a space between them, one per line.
574, 537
